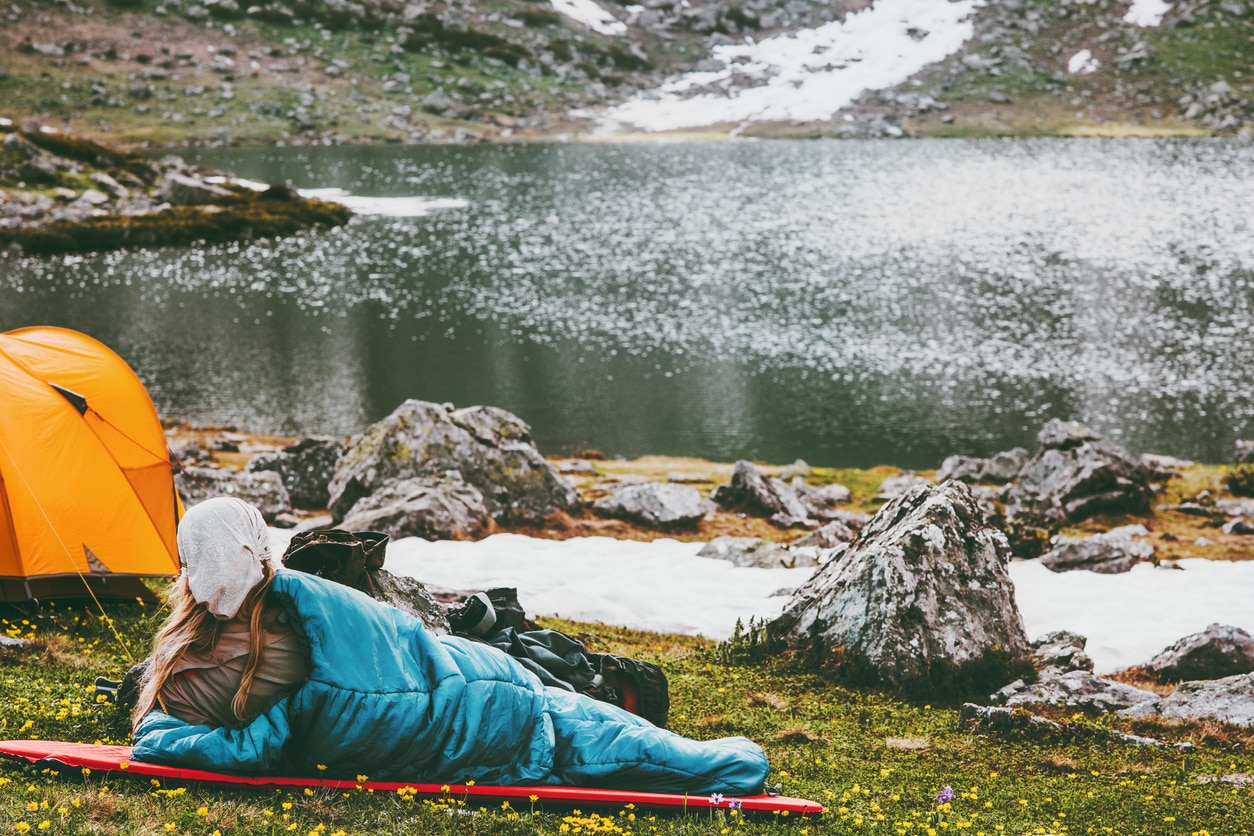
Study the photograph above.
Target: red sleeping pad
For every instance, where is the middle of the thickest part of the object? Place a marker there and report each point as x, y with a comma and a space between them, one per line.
107, 759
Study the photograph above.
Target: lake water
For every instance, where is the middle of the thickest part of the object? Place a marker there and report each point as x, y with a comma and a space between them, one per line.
849, 303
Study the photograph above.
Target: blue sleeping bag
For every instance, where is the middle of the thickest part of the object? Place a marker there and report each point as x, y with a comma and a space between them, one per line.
389, 699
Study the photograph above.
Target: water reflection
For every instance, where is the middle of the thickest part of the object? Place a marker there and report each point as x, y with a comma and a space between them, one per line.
849, 303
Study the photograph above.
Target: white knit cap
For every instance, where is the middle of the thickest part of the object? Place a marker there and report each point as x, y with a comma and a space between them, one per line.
222, 542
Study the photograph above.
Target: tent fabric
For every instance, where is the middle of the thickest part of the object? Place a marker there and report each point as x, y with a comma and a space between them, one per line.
82, 491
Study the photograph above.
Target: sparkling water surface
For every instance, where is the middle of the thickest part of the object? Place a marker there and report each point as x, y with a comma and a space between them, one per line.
849, 303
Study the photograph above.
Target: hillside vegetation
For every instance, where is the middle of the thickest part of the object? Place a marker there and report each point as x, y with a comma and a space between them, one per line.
220, 71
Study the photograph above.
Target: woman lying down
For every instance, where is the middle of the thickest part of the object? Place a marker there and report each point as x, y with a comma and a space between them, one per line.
263, 670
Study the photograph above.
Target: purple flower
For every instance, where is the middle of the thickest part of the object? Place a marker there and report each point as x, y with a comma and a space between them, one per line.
716, 799
946, 794
734, 804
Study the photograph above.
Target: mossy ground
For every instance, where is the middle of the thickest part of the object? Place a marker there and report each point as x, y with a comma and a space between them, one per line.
877, 763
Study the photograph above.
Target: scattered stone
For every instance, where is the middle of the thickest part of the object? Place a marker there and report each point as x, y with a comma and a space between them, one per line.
895, 486
1240, 526
749, 551
94, 197
1218, 651
491, 448
1061, 649
183, 190
1076, 475
820, 498
921, 600
656, 504
798, 469
306, 468
1235, 507
410, 596
1064, 435
962, 468
576, 467
437, 102
1001, 720
1165, 467
265, 490
828, 536
759, 495
434, 507
1229, 700
1110, 553
1004, 467
1238, 779
1073, 689
286, 520
1244, 453
12, 644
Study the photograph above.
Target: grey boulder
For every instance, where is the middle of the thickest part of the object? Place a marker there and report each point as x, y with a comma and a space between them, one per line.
1217, 652
921, 601
751, 551
264, 490
305, 468
1061, 649
656, 504
1110, 553
491, 448
828, 536
437, 507
1229, 700
756, 494
997, 469
1076, 475
1073, 689
409, 596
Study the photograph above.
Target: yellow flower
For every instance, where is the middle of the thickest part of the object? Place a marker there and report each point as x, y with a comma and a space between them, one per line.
21, 827
33, 806
533, 798
169, 827
202, 811
124, 765
322, 767
45, 824
361, 779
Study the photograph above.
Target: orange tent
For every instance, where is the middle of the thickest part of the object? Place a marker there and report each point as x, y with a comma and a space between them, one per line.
86, 492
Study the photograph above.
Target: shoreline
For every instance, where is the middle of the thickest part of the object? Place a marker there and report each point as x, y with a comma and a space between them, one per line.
1174, 535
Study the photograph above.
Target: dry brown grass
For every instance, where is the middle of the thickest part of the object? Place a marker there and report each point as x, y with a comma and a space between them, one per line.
58, 648
907, 744
798, 734
767, 699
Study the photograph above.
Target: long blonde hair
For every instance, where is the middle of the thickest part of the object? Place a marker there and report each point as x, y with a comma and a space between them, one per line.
190, 627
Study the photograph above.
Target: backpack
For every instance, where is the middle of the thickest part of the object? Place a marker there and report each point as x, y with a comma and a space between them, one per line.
496, 618
338, 555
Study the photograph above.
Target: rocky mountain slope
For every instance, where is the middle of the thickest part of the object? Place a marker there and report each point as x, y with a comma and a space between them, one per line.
218, 71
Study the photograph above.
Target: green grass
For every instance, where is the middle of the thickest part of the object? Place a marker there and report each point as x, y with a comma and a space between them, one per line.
877, 762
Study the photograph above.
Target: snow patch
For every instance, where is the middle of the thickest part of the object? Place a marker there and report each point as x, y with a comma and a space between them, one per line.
806, 75
591, 15
390, 207
1083, 62
1146, 12
663, 586
254, 185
